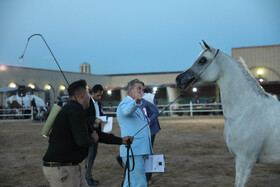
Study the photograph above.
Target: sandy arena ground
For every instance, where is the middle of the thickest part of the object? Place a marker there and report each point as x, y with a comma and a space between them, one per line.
195, 151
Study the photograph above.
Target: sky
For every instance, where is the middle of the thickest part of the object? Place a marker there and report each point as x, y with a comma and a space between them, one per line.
131, 36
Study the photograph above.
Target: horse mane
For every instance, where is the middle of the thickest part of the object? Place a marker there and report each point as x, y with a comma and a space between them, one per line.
255, 84
244, 65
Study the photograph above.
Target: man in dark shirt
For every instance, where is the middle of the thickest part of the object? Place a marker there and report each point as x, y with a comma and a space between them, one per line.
70, 139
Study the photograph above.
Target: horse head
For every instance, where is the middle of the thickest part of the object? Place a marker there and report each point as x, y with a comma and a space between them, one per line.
204, 69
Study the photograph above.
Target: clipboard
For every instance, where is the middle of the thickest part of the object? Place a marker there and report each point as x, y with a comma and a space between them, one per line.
155, 164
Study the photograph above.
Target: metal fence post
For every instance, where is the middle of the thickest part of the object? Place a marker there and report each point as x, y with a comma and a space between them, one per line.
191, 109
32, 113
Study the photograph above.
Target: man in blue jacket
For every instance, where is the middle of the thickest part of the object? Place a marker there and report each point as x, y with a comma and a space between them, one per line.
132, 118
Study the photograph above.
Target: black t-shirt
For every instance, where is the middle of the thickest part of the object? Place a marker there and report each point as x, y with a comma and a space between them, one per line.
70, 136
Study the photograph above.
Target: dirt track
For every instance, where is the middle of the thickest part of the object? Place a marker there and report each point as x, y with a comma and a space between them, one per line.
195, 151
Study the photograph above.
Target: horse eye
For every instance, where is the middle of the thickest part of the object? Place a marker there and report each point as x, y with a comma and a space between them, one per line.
203, 60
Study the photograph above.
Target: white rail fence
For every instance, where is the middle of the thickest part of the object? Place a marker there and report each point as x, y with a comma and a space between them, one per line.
174, 109
180, 109
20, 113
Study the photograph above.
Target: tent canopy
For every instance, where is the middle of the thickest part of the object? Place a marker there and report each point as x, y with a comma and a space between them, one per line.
7, 89
25, 101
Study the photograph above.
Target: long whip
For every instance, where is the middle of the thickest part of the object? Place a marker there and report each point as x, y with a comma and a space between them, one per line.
21, 57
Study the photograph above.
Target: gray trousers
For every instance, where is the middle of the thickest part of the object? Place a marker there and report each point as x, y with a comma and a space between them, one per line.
92, 152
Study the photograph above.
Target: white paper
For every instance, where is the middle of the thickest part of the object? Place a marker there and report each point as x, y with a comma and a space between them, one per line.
155, 164
103, 118
149, 97
108, 126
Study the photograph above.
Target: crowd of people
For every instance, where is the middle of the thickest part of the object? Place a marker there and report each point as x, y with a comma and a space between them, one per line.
38, 113
14, 111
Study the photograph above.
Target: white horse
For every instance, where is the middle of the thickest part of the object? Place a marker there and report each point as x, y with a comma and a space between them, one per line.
252, 116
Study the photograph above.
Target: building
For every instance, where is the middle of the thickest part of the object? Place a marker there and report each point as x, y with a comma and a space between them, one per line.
264, 64
263, 61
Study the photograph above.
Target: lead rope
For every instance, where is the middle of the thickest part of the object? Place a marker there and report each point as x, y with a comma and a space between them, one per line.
128, 146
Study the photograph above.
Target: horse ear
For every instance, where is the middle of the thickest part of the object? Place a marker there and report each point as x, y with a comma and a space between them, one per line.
205, 44
202, 46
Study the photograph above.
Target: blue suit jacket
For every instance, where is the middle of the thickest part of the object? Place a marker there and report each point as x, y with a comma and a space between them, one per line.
131, 119
153, 113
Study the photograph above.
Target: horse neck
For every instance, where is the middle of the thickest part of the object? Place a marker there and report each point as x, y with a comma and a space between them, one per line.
237, 87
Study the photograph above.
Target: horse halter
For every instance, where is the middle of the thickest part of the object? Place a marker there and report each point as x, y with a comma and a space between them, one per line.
198, 74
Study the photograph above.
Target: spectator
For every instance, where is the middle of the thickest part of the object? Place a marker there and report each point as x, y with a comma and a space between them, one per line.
41, 114
35, 112
206, 106
65, 101
111, 110
59, 102
196, 99
28, 112
1, 112
33, 103
48, 103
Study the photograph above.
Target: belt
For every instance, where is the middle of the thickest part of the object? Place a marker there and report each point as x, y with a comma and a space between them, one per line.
58, 164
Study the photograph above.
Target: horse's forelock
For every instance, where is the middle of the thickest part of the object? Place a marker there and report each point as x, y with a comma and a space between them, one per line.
201, 53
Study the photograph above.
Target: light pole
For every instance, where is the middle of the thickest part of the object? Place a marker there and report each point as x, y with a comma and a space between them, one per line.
21, 57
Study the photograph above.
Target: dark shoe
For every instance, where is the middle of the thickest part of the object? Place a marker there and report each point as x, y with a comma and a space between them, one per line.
119, 160
92, 182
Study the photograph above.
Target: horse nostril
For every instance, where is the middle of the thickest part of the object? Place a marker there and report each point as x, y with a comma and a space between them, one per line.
185, 78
